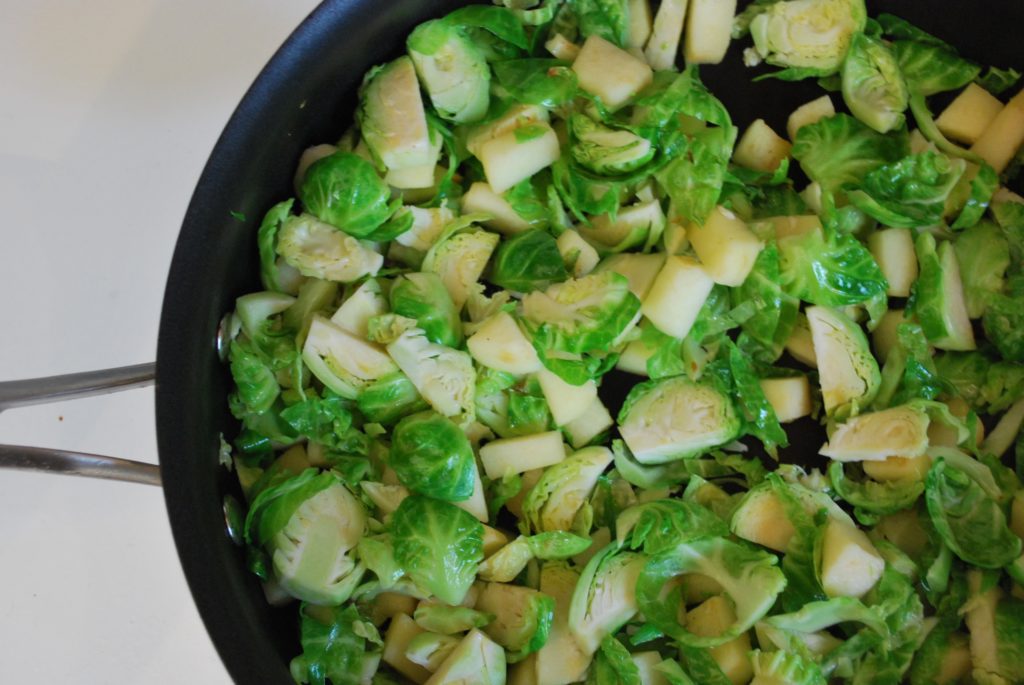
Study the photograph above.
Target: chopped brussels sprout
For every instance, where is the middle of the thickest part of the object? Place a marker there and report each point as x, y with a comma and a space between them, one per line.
432, 456
476, 659
345, 191
848, 373
522, 618
452, 69
897, 431
676, 418
423, 297
459, 260
553, 503
444, 377
811, 37
309, 523
605, 150
392, 118
319, 250
341, 361
605, 596
873, 87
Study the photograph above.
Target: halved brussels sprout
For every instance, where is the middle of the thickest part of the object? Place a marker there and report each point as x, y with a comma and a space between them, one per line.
554, 501
676, 418
605, 596
811, 35
873, 87
445, 377
432, 456
423, 296
308, 524
452, 69
608, 151
322, 251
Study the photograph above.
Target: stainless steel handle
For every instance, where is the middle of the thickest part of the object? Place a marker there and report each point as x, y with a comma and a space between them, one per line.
57, 388
78, 464
71, 386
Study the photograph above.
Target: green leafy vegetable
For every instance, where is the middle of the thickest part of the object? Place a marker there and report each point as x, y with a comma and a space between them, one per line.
345, 191
438, 545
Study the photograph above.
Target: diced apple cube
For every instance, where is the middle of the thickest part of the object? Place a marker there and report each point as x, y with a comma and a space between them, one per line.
663, 44
800, 344
789, 397
639, 23
562, 48
481, 198
809, 113
1003, 137
761, 519
400, 633
712, 618
884, 338
511, 119
387, 605
898, 468
588, 425
567, 402
518, 154
610, 72
904, 530
789, 226
850, 564
760, 148
645, 665
969, 114
708, 30
633, 359
579, 256
500, 344
725, 246
639, 269
893, 249
412, 178
677, 296
494, 540
521, 454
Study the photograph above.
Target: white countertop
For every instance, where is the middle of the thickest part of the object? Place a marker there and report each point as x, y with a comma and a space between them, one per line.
109, 109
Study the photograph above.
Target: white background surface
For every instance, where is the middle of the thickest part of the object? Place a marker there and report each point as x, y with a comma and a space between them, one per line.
108, 110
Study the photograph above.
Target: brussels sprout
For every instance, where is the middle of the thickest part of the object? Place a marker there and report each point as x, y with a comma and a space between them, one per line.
581, 315
969, 520
448, 620
308, 524
389, 398
810, 36
438, 545
460, 260
428, 225
444, 377
938, 297
873, 87
849, 374
555, 500
335, 645
997, 634
509, 561
528, 261
983, 254
422, 296
345, 191
452, 69
663, 523
341, 361
475, 660
321, 251
750, 578
522, 618
607, 151
605, 596
784, 668
429, 650
432, 456
392, 118
676, 418
901, 431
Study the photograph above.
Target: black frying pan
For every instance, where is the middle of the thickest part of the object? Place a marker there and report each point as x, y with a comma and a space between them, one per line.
306, 95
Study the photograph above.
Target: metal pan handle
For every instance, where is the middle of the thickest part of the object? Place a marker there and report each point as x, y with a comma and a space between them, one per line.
72, 386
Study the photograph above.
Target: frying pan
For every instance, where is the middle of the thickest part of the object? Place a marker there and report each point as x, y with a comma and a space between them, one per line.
306, 95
